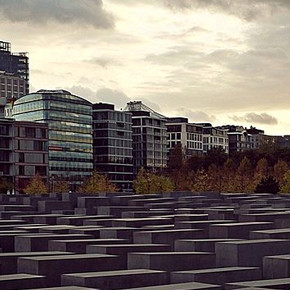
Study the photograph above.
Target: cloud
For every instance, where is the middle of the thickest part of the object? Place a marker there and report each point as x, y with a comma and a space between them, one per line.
245, 9
196, 116
103, 62
85, 12
262, 118
116, 97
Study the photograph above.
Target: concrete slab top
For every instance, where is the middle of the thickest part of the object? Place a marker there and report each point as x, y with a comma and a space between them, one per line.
114, 273
68, 257
18, 277
217, 270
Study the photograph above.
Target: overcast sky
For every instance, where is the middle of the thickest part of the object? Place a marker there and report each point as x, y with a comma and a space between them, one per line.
218, 61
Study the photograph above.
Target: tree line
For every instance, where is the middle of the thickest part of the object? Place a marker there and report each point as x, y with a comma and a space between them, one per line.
249, 171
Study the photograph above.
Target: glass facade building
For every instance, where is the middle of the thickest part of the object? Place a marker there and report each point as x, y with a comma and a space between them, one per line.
69, 119
112, 139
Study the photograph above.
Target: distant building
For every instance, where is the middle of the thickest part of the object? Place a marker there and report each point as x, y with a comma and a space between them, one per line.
23, 151
69, 120
214, 138
239, 139
189, 135
257, 137
12, 87
14, 63
112, 142
30, 151
149, 137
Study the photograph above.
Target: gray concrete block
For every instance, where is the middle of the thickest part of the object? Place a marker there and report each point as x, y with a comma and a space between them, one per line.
249, 252
271, 234
171, 261
116, 279
122, 250
218, 276
79, 246
39, 242
21, 281
182, 286
8, 261
261, 284
275, 267
198, 245
52, 267
237, 230
141, 222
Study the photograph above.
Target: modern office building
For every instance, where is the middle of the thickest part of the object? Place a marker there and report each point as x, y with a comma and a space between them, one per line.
149, 137
214, 137
12, 87
7, 149
14, 63
189, 135
69, 120
112, 142
23, 151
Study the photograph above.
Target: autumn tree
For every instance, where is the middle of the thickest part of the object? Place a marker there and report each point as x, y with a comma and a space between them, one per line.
280, 169
61, 186
262, 171
201, 181
97, 183
5, 185
243, 180
36, 186
228, 176
286, 183
267, 185
148, 183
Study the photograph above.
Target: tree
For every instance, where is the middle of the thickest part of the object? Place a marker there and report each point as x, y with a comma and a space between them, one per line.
36, 186
5, 185
97, 183
280, 169
243, 180
228, 176
215, 177
268, 185
262, 171
61, 186
201, 181
215, 156
148, 183
286, 183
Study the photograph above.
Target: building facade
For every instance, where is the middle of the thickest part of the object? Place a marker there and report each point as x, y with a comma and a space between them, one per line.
12, 87
239, 139
189, 135
14, 63
112, 143
149, 138
69, 120
23, 152
214, 138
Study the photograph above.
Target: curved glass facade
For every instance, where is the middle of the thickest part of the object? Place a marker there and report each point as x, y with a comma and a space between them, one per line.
69, 120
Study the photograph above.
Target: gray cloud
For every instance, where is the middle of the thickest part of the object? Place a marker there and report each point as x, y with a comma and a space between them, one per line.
85, 12
262, 118
103, 62
116, 97
246, 9
196, 116
104, 95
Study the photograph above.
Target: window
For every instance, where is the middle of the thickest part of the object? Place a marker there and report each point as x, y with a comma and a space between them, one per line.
21, 170
21, 157
30, 132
